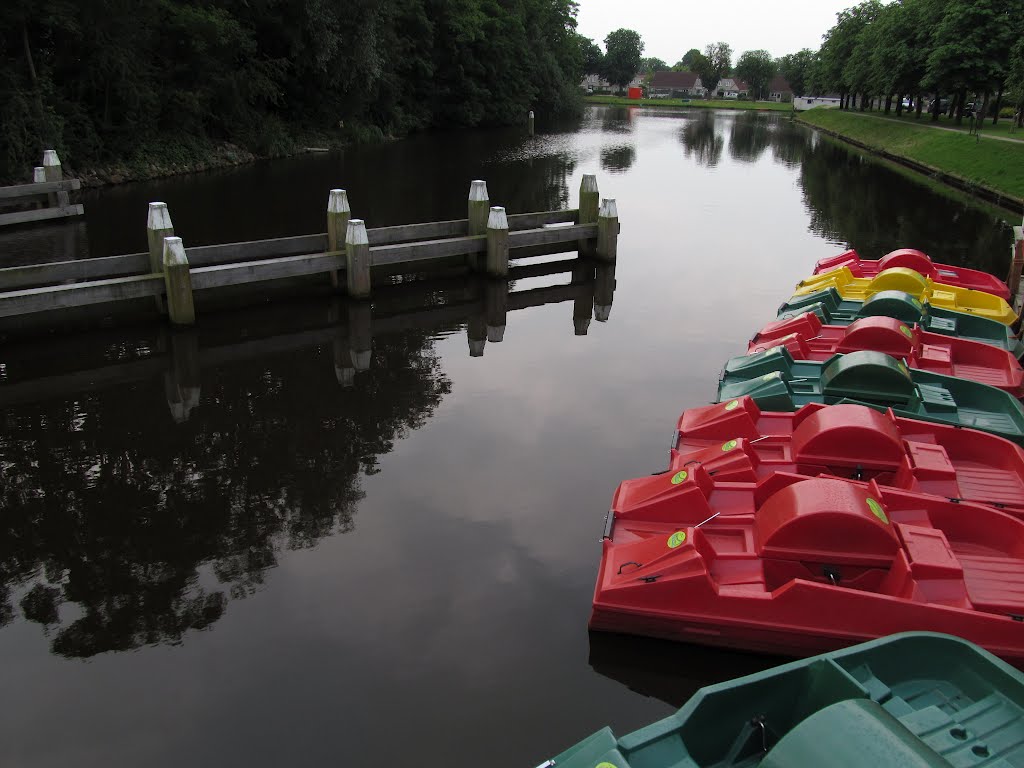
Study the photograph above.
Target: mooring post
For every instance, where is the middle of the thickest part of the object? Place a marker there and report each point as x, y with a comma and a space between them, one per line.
360, 334
357, 259
38, 177
478, 212
53, 172
158, 228
608, 230
178, 283
604, 291
529, 122
1016, 262
590, 202
583, 304
496, 309
338, 215
497, 242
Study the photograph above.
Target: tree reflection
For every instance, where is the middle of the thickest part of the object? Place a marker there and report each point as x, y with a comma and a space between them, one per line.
853, 199
789, 143
750, 136
618, 159
701, 140
121, 529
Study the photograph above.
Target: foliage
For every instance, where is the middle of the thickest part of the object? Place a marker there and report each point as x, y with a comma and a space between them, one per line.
97, 79
796, 68
757, 68
713, 65
623, 55
689, 61
593, 57
761, 106
653, 65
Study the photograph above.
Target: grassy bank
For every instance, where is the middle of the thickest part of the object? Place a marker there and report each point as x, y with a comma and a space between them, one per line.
996, 166
766, 106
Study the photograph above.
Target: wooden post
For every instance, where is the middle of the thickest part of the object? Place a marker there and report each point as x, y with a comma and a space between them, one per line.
476, 330
590, 201
583, 304
479, 210
38, 177
496, 309
357, 259
1016, 262
608, 230
53, 172
529, 122
338, 215
604, 291
158, 228
178, 282
497, 243
360, 334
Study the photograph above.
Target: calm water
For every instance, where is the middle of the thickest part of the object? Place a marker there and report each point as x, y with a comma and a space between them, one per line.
232, 547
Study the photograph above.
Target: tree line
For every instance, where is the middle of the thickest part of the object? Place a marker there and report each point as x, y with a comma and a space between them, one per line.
102, 79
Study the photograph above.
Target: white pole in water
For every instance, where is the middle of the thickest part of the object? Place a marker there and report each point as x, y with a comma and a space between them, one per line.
608, 230
158, 229
178, 282
357, 259
497, 243
338, 215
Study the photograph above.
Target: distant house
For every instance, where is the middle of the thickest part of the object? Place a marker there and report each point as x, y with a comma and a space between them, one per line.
779, 89
731, 88
675, 85
597, 84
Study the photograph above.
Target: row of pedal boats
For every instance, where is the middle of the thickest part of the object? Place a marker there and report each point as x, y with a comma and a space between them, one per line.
861, 474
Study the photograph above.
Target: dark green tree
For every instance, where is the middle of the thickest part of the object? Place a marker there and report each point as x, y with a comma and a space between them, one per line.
623, 55
796, 68
593, 58
714, 64
689, 61
757, 68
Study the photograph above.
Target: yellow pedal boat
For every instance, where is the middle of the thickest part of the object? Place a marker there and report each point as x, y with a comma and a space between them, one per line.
917, 285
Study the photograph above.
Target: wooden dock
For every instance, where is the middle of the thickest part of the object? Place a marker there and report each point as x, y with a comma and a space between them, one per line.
48, 186
349, 254
73, 366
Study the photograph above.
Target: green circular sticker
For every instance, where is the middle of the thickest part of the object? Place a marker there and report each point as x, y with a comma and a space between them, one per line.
605, 765
729, 445
877, 511
679, 477
732, 405
906, 332
772, 375
676, 539
915, 302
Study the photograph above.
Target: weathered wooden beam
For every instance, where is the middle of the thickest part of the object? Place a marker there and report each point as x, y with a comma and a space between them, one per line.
590, 202
38, 188
479, 210
40, 214
428, 249
158, 227
405, 233
178, 283
241, 272
538, 220
497, 243
53, 172
12, 278
608, 231
551, 235
338, 215
357, 259
210, 255
32, 300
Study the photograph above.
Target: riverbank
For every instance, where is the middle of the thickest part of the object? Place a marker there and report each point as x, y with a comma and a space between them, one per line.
763, 106
990, 169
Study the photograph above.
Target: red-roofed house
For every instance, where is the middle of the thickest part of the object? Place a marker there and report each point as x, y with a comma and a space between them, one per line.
779, 89
670, 85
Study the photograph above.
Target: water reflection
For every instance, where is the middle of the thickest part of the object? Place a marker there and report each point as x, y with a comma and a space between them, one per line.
701, 138
121, 529
750, 136
618, 158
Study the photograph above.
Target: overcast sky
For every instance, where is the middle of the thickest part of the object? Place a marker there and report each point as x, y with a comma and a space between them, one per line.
669, 29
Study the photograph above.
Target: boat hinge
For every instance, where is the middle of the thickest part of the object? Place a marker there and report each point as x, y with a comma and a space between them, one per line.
649, 579
609, 524
954, 500
1016, 616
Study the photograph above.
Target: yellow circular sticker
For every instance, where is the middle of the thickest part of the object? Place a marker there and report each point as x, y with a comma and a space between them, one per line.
679, 477
676, 539
732, 405
729, 445
772, 375
605, 765
877, 511
906, 332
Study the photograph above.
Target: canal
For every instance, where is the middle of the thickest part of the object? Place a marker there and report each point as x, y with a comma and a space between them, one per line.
273, 557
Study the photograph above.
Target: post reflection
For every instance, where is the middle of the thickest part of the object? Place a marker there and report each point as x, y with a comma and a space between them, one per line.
151, 476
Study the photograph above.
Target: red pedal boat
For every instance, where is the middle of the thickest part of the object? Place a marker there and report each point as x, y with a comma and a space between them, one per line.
807, 339
798, 565
857, 443
920, 262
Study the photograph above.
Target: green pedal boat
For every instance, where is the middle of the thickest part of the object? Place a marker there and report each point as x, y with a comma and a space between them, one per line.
914, 700
833, 309
778, 383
